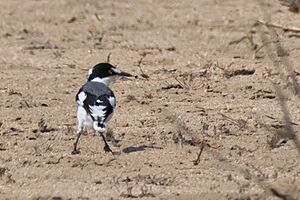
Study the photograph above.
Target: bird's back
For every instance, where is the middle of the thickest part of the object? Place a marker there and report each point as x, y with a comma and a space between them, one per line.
96, 88
97, 99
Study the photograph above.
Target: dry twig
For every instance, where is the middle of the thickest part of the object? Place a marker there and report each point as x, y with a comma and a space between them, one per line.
97, 17
139, 66
292, 29
108, 57
286, 118
202, 145
279, 56
240, 122
183, 85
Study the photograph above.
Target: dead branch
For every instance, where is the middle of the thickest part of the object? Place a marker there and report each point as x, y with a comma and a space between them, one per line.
285, 28
238, 40
240, 122
108, 57
248, 37
181, 84
139, 66
97, 17
279, 56
258, 49
287, 119
202, 145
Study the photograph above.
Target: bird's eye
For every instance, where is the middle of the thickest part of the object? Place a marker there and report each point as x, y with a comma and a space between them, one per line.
110, 71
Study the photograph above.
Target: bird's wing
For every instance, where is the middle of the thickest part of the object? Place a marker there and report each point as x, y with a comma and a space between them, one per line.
99, 107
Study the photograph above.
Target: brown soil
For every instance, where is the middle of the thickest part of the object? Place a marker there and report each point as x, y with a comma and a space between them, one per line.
198, 80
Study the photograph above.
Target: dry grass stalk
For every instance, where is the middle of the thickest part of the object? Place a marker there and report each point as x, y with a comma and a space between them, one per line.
284, 28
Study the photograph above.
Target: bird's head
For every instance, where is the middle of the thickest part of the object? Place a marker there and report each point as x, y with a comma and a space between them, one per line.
105, 73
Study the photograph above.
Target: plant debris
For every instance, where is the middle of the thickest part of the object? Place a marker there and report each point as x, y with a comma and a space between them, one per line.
43, 127
239, 72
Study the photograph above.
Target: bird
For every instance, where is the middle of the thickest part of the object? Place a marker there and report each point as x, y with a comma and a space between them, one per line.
96, 101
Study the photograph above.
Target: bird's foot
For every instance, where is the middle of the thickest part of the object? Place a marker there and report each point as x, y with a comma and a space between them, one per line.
75, 151
107, 149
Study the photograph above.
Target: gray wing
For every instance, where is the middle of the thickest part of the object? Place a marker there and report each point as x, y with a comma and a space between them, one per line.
97, 99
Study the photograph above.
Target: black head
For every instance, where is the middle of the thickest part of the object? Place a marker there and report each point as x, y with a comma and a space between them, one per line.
105, 71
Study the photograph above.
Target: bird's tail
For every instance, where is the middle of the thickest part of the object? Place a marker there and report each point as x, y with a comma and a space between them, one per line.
99, 125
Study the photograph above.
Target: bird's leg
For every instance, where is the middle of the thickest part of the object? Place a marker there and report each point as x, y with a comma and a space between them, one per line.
106, 147
75, 150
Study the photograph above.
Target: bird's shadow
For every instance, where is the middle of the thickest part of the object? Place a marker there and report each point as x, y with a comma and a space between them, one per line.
139, 148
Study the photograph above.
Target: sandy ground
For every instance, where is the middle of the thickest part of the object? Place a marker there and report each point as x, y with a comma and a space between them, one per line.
198, 78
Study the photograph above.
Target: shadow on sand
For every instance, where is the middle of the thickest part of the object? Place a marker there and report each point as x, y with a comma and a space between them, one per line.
139, 148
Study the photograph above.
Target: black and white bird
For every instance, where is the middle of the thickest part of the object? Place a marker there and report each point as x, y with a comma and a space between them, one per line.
96, 101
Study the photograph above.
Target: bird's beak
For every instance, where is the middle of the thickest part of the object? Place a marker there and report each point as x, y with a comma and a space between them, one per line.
120, 73
124, 74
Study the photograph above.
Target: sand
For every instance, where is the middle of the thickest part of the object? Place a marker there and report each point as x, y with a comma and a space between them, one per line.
202, 77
